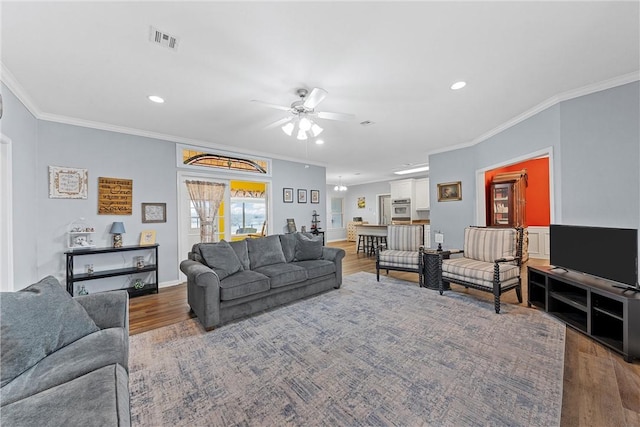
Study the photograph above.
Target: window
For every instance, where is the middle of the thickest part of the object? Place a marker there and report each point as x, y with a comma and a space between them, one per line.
247, 215
336, 212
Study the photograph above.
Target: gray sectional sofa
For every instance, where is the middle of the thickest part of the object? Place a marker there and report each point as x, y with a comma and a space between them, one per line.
64, 360
230, 280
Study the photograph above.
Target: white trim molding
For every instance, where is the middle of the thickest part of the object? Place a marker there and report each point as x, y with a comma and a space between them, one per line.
6, 215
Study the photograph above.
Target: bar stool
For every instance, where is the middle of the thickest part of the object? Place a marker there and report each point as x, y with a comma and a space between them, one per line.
362, 243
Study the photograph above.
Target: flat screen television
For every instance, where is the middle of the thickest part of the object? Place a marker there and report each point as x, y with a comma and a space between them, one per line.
610, 253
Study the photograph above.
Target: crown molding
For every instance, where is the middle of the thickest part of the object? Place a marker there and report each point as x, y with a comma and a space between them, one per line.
554, 100
12, 83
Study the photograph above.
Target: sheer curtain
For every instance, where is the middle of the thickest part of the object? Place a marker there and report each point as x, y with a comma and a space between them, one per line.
206, 197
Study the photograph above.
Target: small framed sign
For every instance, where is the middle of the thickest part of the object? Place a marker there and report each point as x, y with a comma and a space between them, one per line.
154, 212
148, 237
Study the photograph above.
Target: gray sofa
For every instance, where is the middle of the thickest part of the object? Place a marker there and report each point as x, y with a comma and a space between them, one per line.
64, 360
227, 281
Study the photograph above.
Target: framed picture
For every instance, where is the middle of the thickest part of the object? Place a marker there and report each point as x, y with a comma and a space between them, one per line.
361, 203
315, 196
154, 212
450, 191
287, 195
67, 183
147, 237
302, 196
291, 225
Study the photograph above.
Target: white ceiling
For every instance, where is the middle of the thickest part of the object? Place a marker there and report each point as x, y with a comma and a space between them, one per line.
388, 62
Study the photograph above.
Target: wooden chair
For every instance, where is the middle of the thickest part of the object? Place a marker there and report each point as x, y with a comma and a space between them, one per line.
404, 251
262, 233
491, 260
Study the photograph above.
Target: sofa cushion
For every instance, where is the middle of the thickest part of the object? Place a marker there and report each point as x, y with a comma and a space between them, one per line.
240, 246
489, 244
221, 258
308, 247
37, 321
478, 272
265, 251
103, 348
99, 398
288, 242
283, 274
242, 284
317, 267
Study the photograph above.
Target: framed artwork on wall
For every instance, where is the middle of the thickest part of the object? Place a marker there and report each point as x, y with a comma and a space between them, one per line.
154, 212
302, 196
287, 195
450, 191
68, 183
315, 196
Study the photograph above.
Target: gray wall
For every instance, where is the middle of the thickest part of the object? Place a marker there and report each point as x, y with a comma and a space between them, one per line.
40, 224
295, 175
370, 193
19, 125
596, 148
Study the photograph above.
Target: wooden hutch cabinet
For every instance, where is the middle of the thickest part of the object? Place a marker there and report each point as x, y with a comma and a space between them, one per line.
507, 200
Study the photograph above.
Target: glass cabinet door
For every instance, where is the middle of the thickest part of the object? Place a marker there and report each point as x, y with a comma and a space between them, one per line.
501, 205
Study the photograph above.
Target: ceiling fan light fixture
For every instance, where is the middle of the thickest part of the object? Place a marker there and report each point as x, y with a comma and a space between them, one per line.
305, 124
316, 129
302, 135
288, 128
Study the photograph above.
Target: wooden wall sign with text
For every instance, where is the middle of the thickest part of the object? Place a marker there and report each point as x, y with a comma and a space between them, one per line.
115, 196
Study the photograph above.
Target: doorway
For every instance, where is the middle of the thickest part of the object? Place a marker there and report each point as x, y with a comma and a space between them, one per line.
6, 216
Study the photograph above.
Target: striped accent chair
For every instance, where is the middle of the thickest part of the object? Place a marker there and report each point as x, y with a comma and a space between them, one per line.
490, 261
403, 252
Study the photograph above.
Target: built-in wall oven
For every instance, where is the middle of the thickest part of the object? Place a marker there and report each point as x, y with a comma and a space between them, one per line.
400, 210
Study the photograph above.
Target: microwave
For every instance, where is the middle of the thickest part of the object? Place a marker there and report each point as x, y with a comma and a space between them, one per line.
401, 208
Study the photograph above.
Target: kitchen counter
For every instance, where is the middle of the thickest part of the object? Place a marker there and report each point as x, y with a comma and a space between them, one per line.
371, 229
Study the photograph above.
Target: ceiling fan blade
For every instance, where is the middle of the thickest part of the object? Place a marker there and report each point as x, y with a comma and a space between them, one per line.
335, 116
314, 98
279, 123
266, 104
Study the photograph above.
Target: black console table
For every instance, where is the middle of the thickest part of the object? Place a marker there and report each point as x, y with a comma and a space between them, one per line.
590, 305
73, 277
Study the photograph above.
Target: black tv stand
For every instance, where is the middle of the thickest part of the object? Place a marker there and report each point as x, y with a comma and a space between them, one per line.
601, 309
627, 288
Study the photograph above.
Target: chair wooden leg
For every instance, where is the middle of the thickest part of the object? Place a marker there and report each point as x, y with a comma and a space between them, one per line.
519, 294
496, 303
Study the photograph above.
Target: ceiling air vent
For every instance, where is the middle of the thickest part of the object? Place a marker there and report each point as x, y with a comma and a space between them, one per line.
366, 123
163, 39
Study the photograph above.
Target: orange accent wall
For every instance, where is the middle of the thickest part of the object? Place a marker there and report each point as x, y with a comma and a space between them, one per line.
538, 208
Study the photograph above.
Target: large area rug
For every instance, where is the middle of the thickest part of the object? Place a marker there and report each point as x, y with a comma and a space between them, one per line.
387, 353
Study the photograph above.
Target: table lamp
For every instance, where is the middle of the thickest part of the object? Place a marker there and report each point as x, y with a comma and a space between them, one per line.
117, 229
439, 237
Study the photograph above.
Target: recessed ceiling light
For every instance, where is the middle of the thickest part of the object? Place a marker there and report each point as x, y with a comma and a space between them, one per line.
458, 85
414, 170
319, 141
155, 98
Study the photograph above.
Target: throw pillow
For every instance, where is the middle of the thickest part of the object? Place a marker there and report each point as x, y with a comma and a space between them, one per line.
308, 247
221, 258
37, 321
288, 242
265, 251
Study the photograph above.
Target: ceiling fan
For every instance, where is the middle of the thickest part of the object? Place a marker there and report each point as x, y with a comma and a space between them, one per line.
302, 114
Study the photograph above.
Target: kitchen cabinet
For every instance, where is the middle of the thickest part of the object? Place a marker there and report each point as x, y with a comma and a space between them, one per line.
402, 189
422, 194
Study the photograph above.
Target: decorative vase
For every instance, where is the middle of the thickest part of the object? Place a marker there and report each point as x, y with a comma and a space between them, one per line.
83, 290
138, 284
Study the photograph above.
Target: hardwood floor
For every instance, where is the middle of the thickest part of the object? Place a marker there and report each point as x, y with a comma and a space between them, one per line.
599, 389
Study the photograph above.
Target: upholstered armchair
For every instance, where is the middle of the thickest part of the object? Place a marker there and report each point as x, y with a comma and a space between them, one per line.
403, 252
490, 261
